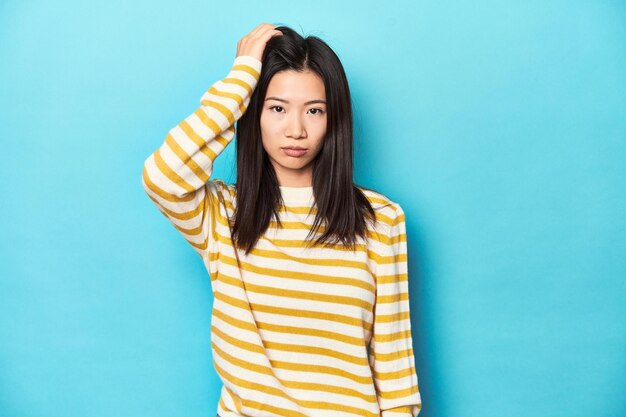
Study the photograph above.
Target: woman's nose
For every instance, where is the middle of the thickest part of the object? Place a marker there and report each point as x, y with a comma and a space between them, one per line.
295, 127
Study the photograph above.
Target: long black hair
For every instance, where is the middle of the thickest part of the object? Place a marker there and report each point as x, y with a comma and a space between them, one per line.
342, 208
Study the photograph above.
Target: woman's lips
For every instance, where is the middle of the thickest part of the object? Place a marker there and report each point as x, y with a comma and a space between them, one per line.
294, 151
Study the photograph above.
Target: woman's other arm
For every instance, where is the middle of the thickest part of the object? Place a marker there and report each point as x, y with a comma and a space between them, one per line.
391, 346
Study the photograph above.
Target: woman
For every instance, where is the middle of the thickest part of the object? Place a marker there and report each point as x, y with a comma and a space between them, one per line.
308, 270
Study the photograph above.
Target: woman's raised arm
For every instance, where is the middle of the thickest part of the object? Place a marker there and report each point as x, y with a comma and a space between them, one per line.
176, 175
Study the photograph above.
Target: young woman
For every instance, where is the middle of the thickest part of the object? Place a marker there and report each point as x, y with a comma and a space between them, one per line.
308, 270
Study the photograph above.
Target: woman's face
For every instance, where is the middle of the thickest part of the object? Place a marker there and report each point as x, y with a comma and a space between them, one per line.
294, 115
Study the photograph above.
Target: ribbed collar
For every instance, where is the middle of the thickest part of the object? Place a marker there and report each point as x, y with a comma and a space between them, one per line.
296, 195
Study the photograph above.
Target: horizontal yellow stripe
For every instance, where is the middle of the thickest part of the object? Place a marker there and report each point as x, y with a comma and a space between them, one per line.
248, 69
238, 82
299, 294
320, 369
163, 194
390, 376
241, 344
295, 225
401, 393
186, 215
235, 302
388, 357
393, 298
393, 337
300, 225
392, 259
304, 276
388, 279
247, 365
404, 409
379, 203
330, 262
298, 243
322, 334
395, 239
286, 243
391, 318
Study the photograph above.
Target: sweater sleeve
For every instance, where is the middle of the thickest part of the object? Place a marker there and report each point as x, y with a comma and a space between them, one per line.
391, 345
176, 175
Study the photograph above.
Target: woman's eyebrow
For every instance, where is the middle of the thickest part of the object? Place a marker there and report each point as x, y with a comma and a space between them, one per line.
285, 101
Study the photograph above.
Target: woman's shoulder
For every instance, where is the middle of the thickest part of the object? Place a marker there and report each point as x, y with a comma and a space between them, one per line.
379, 201
388, 212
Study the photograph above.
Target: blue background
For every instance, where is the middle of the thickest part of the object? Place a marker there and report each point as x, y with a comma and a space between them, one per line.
499, 126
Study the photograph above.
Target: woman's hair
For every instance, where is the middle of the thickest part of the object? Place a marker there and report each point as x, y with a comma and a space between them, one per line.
341, 207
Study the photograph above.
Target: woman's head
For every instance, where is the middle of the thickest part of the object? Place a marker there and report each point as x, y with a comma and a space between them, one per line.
301, 69
301, 99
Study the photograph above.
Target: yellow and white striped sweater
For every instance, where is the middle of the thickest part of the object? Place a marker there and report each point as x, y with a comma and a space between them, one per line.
295, 331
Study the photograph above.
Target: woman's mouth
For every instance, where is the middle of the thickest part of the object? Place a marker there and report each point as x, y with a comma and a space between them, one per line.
295, 151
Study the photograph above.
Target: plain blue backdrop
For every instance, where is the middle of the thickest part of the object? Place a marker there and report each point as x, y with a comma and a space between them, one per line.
499, 126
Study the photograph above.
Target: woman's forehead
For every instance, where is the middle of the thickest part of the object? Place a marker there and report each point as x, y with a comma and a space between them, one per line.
296, 86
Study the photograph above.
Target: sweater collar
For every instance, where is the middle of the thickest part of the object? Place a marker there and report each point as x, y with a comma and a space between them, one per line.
296, 194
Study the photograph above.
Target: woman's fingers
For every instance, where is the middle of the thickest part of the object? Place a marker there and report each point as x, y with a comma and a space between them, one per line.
259, 28
253, 44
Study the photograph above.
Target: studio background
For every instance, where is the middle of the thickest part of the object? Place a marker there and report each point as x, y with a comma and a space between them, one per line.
499, 126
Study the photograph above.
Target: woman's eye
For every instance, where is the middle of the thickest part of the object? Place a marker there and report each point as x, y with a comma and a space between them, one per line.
280, 109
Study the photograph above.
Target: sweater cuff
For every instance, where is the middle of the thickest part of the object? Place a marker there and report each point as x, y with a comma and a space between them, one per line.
404, 411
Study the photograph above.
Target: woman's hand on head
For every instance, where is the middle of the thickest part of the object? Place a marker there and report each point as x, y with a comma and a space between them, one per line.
253, 44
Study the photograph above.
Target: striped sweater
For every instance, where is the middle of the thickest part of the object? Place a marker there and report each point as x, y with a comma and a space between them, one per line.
295, 331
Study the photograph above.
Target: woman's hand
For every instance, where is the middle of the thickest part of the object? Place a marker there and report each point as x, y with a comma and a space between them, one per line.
253, 44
